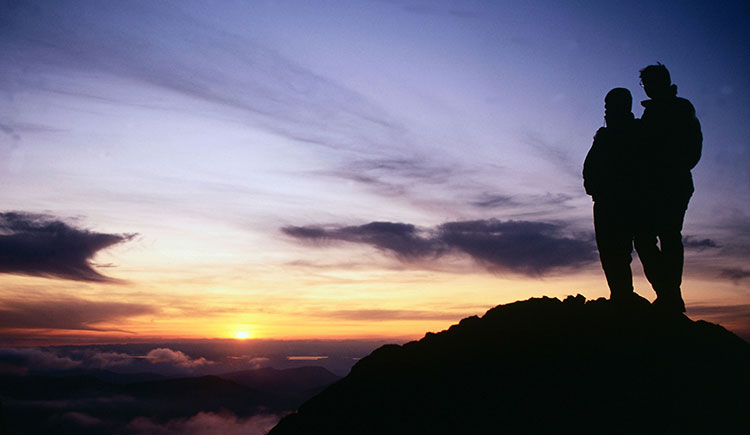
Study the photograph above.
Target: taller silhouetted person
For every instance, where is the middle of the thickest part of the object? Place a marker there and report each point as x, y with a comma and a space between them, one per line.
610, 176
671, 148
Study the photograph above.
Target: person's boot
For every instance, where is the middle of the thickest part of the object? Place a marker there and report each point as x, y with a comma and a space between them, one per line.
623, 301
669, 302
621, 297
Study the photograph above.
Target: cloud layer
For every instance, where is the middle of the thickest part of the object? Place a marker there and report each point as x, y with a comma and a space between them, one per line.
735, 274
528, 248
30, 358
734, 317
697, 244
158, 359
39, 245
66, 313
378, 315
177, 358
207, 423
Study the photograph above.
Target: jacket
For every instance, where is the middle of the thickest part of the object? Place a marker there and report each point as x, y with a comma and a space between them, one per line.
673, 142
611, 171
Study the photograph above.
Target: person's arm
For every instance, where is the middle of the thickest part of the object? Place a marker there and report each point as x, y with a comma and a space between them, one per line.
691, 137
694, 140
592, 166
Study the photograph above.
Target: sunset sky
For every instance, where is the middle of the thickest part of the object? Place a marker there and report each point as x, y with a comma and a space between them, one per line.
339, 169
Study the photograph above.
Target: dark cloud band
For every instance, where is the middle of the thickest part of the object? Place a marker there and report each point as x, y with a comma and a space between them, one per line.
529, 248
735, 274
388, 315
39, 245
67, 314
697, 244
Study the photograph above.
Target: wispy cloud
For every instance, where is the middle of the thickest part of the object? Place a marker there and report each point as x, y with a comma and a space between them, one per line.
10, 131
384, 315
206, 423
722, 310
735, 274
554, 154
66, 313
404, 168
30, 358
169, 47
404, 240
177, 358
692, 242
528, 248
396, 176
14, 129
41, 245
494, 200
488, 200
437, 8
734, 317
105, 359
81, 419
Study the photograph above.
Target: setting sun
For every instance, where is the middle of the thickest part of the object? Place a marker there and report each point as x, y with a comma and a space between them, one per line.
212, 211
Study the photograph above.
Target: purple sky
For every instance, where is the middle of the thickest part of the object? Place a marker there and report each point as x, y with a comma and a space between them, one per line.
189, 145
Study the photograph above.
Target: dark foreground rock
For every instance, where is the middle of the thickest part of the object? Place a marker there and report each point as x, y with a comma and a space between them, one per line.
545, 366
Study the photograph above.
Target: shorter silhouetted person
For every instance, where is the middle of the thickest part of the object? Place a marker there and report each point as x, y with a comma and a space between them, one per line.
672, 147
610, 174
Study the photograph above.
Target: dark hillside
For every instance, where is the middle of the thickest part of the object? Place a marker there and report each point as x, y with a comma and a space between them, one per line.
545, 366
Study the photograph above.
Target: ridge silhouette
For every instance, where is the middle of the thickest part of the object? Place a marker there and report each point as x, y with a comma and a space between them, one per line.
545, 366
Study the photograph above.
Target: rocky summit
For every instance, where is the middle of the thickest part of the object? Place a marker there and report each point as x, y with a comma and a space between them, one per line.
545, 366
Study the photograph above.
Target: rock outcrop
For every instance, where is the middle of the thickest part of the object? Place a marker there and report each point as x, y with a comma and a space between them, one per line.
545, 366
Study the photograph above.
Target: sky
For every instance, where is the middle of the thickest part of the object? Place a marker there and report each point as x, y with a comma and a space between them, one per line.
338, 169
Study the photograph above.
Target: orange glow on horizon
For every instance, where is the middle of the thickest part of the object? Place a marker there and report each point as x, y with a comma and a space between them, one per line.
329, 310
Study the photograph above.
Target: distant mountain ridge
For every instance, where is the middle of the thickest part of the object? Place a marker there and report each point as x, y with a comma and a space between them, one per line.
545, 366
103, 375
284, 381
34, 403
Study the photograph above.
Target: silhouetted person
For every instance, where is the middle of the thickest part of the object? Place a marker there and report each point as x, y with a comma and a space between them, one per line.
609, 176
672, 147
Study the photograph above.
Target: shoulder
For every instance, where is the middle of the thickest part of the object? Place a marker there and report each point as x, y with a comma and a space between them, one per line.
684, 104
683, 108
601, 133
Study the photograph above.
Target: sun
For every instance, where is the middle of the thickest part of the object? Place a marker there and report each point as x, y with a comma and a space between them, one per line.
241, 335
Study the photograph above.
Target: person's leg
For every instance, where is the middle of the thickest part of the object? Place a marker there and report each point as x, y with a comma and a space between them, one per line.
615, 243
646, 245
673, 254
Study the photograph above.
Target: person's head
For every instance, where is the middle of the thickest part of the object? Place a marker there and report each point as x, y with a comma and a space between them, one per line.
618, 105
656, 81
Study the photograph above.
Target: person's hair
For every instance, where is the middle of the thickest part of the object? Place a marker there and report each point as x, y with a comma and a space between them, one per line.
619, 99
657, 75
